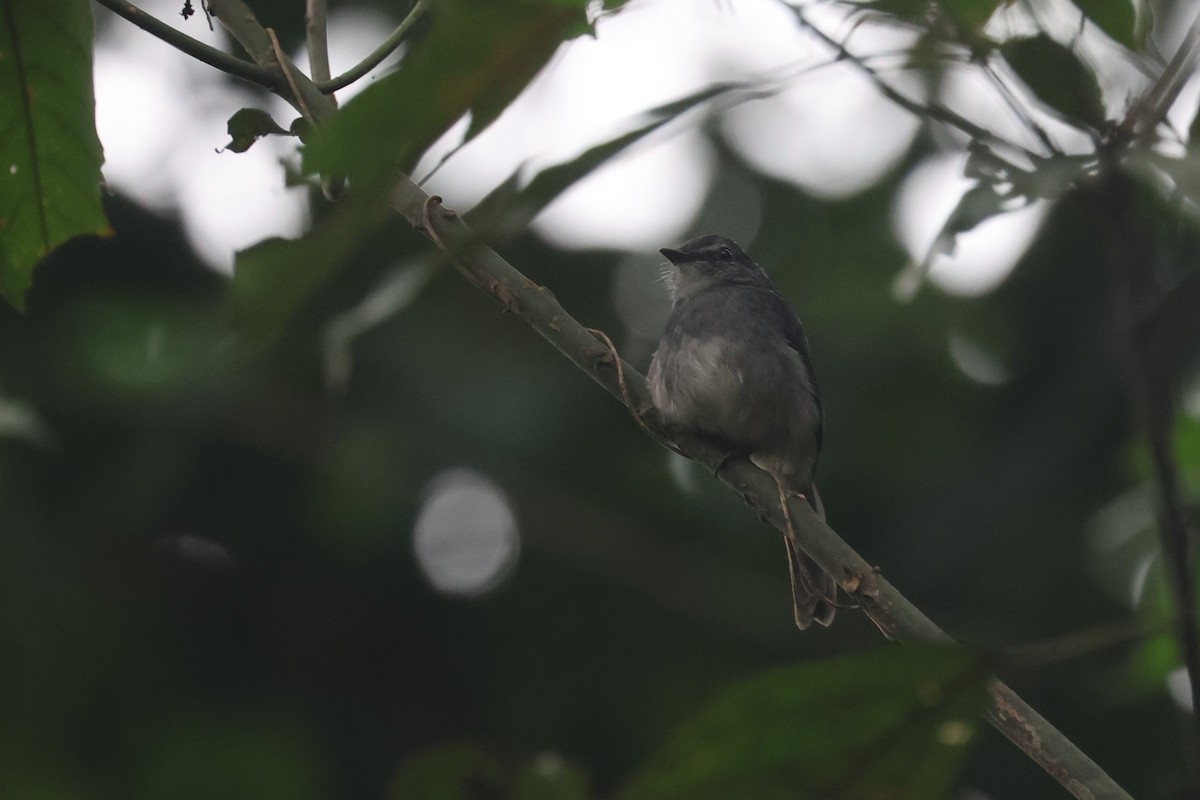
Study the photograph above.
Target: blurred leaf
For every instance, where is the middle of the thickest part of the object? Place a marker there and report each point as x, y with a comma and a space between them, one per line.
1152, 661
248, 125
50, 155
979, 203
1058, 78
272, 279
550, 778
969, 15
891, 723
479, 55
509, 208
1187, 441
465, 771
450, 772
1117, 18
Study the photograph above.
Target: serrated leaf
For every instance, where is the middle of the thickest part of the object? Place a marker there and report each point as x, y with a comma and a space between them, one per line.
248, 125
479, 55
50, 155
893, 722
1117, 18
1058, 78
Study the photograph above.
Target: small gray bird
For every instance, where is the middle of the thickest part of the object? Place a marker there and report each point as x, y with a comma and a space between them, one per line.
733, 367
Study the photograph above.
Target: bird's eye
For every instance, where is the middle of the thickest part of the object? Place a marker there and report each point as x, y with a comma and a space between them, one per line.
726, 254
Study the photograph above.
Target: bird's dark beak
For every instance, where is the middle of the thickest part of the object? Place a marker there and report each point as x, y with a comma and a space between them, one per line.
674, 256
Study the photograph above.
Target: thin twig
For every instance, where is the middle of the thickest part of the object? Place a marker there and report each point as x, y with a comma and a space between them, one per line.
287, 73
935, 111
198, 50
291, 84
627, 399
1145, 115
385, 49
1022, 114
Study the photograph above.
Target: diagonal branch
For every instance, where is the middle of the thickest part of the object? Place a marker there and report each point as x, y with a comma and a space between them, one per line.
888, 609
1151, 109
895, 616
193, 47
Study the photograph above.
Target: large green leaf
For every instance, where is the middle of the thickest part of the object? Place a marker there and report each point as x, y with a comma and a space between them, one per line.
50, 155
892, 723
274, 278
1117, 18
1058, 77
511, 206
478, 56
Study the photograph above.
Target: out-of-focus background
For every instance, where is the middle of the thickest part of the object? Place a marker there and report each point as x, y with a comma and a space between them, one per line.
239, 571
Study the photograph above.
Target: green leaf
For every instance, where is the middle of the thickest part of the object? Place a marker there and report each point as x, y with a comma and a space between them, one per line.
1117, 18
969, 15
509, 208
1058, 78
248, 125
550, 778
449, 772
893, 722
464, 771
479, 55
972, 15
272, 279
50, 155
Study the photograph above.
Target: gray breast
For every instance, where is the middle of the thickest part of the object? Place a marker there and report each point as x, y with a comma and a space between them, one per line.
747, 397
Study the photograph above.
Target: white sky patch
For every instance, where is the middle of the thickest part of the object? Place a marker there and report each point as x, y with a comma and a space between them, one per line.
162, 115
983, 256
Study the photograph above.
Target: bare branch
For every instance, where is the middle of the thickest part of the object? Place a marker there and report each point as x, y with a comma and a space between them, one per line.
888, 609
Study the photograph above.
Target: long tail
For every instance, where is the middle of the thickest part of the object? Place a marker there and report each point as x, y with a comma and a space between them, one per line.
814, 592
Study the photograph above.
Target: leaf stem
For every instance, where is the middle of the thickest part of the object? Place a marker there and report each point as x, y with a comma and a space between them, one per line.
385, 49
316, 30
